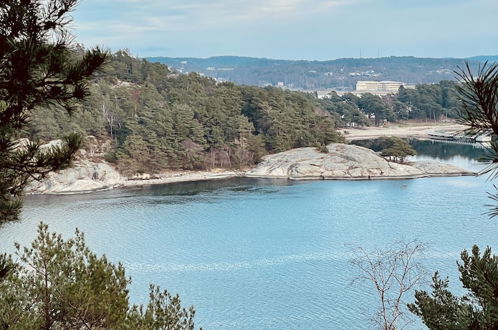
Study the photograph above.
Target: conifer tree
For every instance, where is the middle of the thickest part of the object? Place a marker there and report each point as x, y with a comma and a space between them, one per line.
38, 68
440, 309
61, 284
477, 310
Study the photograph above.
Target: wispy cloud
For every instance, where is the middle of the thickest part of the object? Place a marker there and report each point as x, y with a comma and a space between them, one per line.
291, 28
176, 15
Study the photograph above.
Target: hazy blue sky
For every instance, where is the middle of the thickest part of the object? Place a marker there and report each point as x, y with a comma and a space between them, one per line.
291, 29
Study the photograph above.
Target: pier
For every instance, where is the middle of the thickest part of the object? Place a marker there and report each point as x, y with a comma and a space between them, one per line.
461, 136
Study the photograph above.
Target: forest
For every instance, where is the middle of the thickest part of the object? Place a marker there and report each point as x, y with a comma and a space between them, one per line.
157, 118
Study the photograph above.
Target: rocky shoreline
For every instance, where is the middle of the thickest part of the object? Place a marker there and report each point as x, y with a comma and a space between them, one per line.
341, 162
66, 182
345, 162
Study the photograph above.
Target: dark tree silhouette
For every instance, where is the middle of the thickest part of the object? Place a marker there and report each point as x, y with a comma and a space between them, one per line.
478, 309
478, 95
38, 67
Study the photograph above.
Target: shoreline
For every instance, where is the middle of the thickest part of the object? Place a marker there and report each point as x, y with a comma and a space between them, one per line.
408, 131
183, 176
164, 178
89, 177
200, 176
364, 178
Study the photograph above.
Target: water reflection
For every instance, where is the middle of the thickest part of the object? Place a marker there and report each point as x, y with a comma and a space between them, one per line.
171, 193
469, 156
445, 151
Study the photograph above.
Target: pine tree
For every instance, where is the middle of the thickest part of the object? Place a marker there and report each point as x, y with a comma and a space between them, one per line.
61, 284
479, 272
477, 310
38, 68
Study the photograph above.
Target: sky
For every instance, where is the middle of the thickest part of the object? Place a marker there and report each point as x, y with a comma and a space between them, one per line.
290, 29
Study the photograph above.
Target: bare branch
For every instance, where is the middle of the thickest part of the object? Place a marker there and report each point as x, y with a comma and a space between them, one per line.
394, 272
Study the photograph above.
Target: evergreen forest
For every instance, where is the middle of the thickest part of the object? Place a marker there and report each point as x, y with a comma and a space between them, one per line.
156, 118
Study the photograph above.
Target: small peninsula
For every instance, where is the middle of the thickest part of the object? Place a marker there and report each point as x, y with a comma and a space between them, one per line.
342, 162
345, 162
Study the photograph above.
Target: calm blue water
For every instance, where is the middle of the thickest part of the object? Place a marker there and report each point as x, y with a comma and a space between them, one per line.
271, 254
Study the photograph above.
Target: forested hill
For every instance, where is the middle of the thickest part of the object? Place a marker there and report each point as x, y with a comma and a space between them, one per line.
312, 75
157, 119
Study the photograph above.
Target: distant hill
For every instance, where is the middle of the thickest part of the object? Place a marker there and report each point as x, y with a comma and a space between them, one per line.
340, 74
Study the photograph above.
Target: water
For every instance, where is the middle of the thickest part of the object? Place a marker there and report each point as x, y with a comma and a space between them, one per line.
272, 254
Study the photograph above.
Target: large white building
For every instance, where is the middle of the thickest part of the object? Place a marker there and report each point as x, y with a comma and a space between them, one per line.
375, 87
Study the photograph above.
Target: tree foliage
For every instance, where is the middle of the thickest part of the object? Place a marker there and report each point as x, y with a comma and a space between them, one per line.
479, 98
478, 309
61, 284
440, 309
397, 149
37, 69
391, 147
160, 119
479, 111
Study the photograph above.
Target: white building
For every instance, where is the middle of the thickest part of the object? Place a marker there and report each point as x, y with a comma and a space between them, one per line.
376, 87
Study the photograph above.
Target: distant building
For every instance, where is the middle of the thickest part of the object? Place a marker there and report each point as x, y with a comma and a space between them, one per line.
380, 87
212, 68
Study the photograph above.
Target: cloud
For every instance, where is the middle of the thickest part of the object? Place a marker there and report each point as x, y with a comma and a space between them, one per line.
315, 29
141, 16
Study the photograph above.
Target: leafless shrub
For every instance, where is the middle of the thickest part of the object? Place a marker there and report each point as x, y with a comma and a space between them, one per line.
393, 272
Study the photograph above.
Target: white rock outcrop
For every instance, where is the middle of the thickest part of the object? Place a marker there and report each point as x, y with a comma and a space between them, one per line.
84, 176
344, 161
88, 173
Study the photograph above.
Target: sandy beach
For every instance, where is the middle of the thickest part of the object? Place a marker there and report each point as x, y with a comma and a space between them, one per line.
403, 131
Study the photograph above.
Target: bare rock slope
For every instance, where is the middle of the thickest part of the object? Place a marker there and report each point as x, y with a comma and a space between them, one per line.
84, 176
91, 173
88, 173
345, 161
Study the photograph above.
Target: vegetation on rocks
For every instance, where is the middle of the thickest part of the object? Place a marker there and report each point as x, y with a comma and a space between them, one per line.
392, 147
36, 72
159, 119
